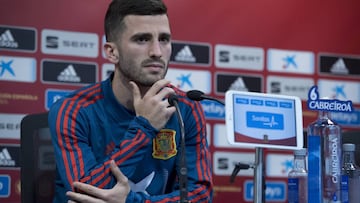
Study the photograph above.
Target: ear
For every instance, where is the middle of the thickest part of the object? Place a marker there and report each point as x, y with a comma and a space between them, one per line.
111, 52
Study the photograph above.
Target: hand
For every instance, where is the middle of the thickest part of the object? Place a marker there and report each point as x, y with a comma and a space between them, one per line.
153, 106
92, 194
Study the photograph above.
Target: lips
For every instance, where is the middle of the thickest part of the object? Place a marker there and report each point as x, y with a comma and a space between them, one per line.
154, 68
157, 65
154, 65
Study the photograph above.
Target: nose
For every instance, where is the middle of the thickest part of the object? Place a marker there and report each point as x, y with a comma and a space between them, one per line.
155, 49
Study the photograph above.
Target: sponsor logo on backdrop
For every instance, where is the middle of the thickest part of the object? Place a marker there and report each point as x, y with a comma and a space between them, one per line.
341, 90
224, 163
190, 79
7, 97
63, 72
9, 156
213, 110
7, 40
18, 69
275, 191
185, 55
289, 86
17, 38
290, 61
5, 185
69, 43
69, 75
339, 64
52, 95
348, 119
283, 163
190, 53
235, 81
239, 57
106, 70
5, 158
10, 125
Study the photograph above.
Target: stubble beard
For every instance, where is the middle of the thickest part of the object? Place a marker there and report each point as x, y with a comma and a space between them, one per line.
137, 74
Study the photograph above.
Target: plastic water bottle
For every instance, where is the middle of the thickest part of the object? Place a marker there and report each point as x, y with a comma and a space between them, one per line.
298, 179
324, 145
350, 175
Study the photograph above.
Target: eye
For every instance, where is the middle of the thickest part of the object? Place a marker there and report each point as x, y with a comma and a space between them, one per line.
164, 39
142, 39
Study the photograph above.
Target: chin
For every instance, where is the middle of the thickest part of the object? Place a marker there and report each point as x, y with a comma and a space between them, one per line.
145, 83
149, 81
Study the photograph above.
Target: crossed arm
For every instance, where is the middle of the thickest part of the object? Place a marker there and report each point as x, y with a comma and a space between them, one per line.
92, 194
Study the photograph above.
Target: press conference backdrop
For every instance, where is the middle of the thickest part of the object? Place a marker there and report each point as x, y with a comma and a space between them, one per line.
50, 48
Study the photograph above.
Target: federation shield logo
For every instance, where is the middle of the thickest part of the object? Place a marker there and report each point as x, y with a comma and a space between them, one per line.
164, 145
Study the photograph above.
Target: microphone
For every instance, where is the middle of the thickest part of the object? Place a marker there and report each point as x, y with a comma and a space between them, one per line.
198, 95
173, 101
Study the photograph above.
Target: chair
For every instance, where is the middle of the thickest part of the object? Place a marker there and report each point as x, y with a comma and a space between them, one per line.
37, 160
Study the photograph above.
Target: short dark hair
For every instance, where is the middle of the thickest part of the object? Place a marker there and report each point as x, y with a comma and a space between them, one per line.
118, 9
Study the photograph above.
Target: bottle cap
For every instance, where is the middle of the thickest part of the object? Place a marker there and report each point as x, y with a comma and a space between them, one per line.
348, 147
300, 152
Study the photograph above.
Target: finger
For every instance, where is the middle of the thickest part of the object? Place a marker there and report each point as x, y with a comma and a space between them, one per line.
77, 197
120, 177
157, 86
89, 189
165, 92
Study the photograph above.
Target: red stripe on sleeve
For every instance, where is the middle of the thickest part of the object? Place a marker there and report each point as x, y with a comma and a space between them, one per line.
69, 133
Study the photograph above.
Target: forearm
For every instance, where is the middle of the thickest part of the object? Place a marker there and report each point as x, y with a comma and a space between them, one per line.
201, 192
137, 142
86, 166
127, 156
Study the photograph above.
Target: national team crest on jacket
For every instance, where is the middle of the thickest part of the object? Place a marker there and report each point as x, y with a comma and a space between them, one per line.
164, 145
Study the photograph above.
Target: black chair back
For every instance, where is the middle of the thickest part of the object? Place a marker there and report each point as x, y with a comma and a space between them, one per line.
37, 160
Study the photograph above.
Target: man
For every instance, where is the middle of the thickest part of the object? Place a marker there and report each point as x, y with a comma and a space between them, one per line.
126, 121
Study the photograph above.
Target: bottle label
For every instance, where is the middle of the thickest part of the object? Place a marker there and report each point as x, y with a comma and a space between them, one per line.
293, 190
345, 188
314, 169
332, 169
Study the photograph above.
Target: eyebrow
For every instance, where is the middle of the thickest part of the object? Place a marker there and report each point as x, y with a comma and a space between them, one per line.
168, 35
149, 35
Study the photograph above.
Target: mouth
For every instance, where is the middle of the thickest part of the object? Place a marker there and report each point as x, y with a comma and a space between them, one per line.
154, 66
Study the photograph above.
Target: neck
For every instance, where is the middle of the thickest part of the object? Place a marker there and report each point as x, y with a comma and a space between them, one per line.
123, 91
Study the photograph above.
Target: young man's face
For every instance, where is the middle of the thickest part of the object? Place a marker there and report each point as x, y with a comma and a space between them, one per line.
144, 48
